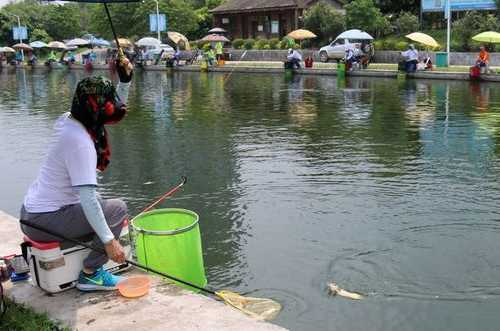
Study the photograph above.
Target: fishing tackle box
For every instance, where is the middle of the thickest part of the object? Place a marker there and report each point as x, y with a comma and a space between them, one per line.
55, 266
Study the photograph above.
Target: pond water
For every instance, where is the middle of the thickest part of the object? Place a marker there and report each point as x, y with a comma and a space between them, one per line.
387, 187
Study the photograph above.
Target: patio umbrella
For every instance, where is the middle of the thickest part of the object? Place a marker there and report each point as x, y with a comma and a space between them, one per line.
7, 50
56, 45
124, 42
217, 30
23, 46
148, 41
77, 42
38, 44
491, 37
177, 38
99, 42
215, 38
301, 34
423, 39
355, 34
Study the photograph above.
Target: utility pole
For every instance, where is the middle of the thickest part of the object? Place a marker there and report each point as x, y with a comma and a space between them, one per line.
19, 32
158, 20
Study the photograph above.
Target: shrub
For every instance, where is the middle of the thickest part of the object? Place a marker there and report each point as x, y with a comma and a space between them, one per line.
238, 43
249, 43
406, 23
202, 43
274, 43
261, 43
283, 44
267, 46
401, 46
390, 44
379, 45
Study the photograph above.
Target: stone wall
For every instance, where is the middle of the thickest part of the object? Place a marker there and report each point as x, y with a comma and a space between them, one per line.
456, 58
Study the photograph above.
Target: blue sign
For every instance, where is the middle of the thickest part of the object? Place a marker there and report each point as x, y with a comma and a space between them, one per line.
20, 33
153, 20
457, 5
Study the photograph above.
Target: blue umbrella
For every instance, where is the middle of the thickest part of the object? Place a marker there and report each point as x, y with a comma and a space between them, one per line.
99, 42
38, 44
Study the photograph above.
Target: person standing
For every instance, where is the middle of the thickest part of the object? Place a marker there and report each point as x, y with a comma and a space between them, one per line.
63, 197
219, 50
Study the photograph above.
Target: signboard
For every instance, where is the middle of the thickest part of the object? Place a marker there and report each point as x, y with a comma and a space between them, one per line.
153, 21
457, 5
20, 33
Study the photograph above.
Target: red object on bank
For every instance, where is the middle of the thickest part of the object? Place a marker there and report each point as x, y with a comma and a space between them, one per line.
474, 72
308, 62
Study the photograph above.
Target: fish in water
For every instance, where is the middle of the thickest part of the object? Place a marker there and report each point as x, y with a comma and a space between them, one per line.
335, 289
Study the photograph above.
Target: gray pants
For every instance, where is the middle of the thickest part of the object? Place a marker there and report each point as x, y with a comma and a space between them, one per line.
70, 221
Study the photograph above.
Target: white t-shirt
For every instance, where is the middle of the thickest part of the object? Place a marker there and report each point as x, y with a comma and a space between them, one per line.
71, 162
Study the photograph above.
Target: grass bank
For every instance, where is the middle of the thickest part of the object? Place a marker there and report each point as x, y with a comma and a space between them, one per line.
19, 318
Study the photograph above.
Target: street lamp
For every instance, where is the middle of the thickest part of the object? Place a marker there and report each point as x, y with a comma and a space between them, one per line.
18, 31
157, 20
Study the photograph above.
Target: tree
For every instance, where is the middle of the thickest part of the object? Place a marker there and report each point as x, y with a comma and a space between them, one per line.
41, 35
406, 23
363, 15
471, 24
325, 21
394, 7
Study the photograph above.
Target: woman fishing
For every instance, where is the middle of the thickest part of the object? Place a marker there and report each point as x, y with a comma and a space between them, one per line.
63, 197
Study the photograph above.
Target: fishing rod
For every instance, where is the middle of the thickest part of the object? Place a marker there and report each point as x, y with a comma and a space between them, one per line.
166, 195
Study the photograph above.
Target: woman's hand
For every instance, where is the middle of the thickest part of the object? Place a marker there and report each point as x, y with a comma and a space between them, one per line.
115, 251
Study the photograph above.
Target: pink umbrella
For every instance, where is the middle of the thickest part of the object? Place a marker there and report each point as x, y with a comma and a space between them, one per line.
215, 38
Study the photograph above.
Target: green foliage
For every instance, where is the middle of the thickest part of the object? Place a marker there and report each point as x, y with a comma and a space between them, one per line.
394, 7
471, 24
283, 44
238, 43
325, 21
401, 45
266, 47
364, 15
406, 23
19, 317
249, 43
261, 43
379, 45
40, 34
389, 43
274, 43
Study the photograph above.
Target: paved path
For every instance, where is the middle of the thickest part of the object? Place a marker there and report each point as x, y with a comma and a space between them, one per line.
166, 307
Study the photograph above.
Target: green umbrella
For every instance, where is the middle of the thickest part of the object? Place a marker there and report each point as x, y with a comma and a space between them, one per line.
490, 37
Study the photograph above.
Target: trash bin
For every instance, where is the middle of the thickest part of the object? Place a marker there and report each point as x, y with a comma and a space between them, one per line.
168, 240
441, 59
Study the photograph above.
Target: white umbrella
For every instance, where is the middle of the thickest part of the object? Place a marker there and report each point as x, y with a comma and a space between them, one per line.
38, 44
57, 45
77, 42
148, 42
7, 50
355, 34
217, 30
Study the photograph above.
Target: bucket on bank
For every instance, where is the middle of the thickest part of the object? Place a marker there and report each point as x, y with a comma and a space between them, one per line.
168, 240
204, 65
341, 69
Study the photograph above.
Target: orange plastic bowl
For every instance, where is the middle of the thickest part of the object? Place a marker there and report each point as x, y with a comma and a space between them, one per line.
134, 287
